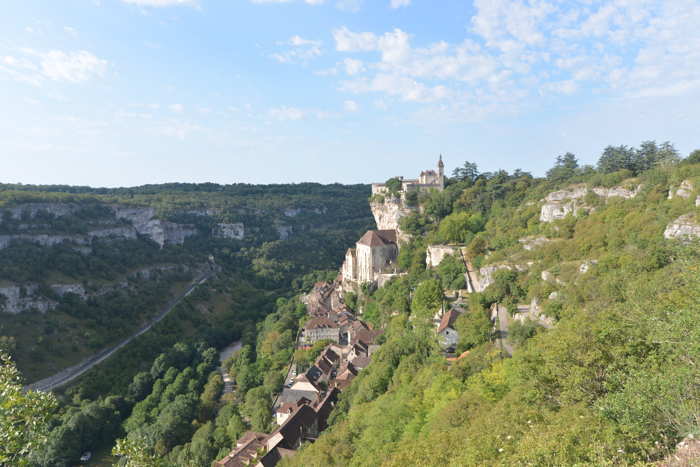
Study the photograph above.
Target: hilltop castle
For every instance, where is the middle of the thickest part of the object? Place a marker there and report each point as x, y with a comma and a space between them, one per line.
373, 260
428, 180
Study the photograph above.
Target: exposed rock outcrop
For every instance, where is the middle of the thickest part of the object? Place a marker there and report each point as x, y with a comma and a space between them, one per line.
530, 243
161, 232
230, 231
387, 214
684, 191
486, 274
685, 227
559, 204
617, 192
436, 253
284, 231
30, 210
18, 299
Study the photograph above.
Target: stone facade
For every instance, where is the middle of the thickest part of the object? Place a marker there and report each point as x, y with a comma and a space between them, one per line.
374, 254
428, 180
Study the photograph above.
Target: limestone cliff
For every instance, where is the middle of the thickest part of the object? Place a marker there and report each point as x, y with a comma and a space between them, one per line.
230, 231
161, 232
388, 213
685, 227
18, 298
435, 254
559, 204
684, 191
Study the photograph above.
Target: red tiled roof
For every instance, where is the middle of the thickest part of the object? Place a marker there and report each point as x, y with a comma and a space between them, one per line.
448, 320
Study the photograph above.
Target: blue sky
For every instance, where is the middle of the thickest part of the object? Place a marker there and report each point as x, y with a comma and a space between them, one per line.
127, 92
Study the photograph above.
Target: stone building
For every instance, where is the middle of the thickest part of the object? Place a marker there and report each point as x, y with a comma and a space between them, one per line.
321, 328
374, 254
428, 180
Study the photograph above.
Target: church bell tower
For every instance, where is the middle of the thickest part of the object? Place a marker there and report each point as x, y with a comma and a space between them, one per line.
441, 172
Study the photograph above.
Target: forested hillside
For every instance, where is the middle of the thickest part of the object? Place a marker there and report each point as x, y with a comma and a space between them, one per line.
607, 375
82, 268
575, 295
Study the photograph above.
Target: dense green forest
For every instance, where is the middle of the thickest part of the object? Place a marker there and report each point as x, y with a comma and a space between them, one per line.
256, 277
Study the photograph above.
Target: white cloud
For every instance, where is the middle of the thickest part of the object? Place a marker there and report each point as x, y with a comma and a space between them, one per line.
399, 3
161, 3
353, 66
348, 41
518, 50
177, 108
36, 67
351, 106
299, 50
75, 67
70, 31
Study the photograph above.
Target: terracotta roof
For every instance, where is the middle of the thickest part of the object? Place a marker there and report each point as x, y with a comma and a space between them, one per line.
378, 238
247, 448
448, 320
320, 322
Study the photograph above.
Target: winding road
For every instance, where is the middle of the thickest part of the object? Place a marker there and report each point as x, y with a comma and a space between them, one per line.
68, 374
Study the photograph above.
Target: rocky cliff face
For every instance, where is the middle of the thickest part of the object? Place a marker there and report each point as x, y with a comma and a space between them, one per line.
30, 210
18, 298
486, 274
387, 214
230, 231
161, 232
559, 204
436, 253
684, 191
685, 227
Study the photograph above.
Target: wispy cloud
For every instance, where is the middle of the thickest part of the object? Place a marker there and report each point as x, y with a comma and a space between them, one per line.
298, 50
35, 67
515, 52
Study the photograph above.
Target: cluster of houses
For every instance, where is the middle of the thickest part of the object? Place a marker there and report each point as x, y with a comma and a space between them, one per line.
308, 397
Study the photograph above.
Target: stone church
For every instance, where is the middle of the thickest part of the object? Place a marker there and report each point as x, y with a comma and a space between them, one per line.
374, 254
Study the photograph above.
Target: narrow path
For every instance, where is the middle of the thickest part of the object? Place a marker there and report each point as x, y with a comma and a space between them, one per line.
70, 373
224, 355
502, 322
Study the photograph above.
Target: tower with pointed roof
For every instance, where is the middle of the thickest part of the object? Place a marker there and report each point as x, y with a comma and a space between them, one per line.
441, 172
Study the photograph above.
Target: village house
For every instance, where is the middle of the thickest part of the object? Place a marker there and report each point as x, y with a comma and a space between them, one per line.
446, 331
320, 328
